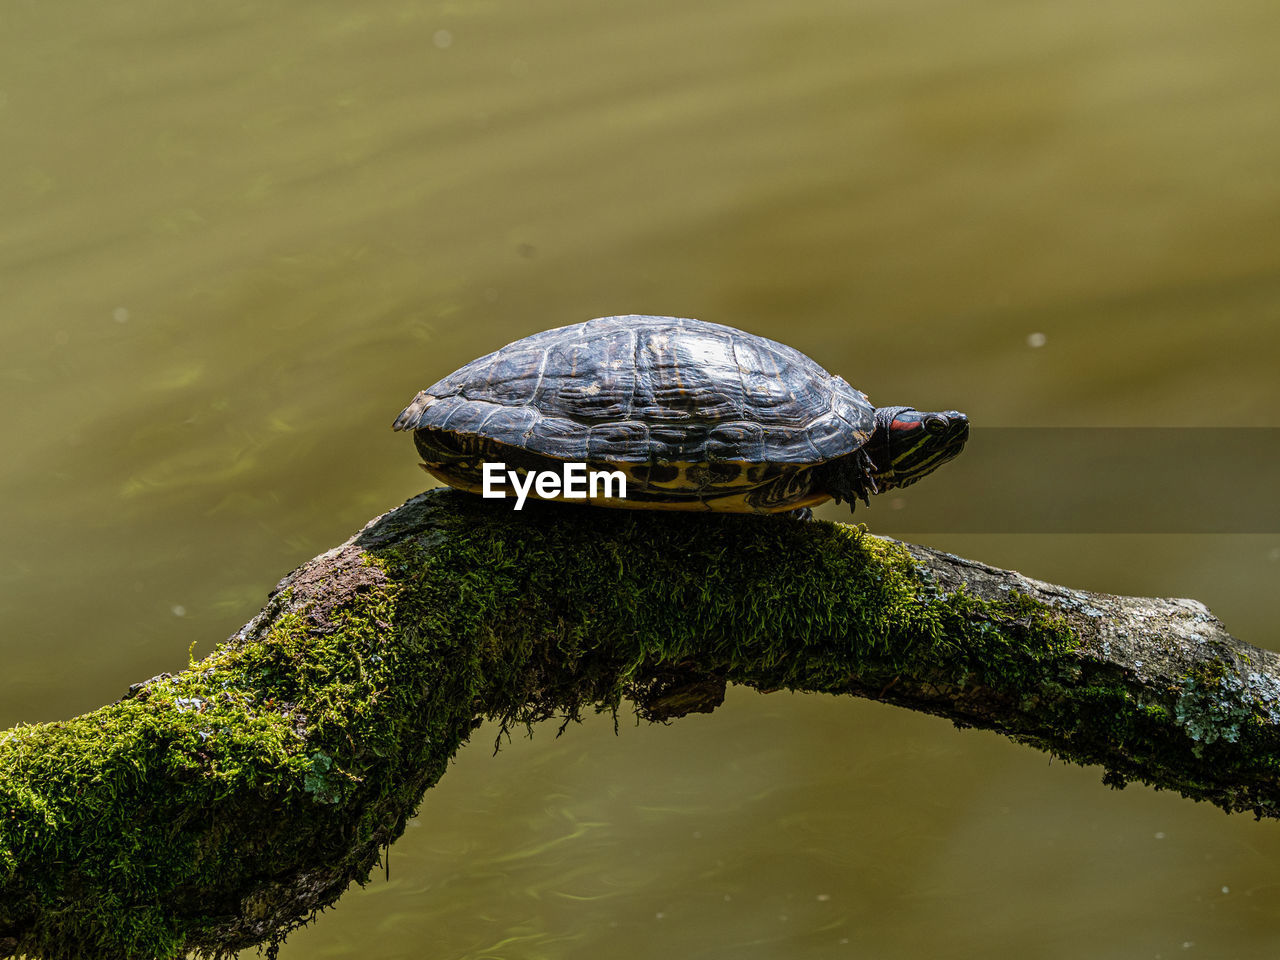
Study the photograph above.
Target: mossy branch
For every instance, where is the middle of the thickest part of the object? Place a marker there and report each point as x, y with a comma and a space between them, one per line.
218, 808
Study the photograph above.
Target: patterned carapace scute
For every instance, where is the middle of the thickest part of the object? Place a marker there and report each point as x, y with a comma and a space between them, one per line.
635, 388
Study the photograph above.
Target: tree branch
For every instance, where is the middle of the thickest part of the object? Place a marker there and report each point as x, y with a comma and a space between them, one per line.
218, 808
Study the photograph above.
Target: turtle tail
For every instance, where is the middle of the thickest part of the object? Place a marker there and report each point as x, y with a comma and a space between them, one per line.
849, 478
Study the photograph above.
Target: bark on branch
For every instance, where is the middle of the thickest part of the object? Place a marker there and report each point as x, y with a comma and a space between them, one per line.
216, 809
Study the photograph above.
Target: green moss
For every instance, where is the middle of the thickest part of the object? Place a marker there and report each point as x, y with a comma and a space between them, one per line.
578, 611
224, 804
138, 829
777, 604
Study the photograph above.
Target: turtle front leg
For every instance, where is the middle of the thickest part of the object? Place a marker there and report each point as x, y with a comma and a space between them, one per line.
848, 479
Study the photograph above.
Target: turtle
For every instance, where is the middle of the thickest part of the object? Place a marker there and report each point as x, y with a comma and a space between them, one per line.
696, 416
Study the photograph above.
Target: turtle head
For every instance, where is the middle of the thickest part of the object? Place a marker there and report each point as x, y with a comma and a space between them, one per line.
908, 444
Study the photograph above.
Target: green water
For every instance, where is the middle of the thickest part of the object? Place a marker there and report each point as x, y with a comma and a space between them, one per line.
236, 238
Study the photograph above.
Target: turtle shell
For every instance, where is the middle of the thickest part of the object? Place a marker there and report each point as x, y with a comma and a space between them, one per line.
636, 388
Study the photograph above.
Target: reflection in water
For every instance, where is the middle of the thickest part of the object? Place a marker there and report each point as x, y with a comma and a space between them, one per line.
235, 237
